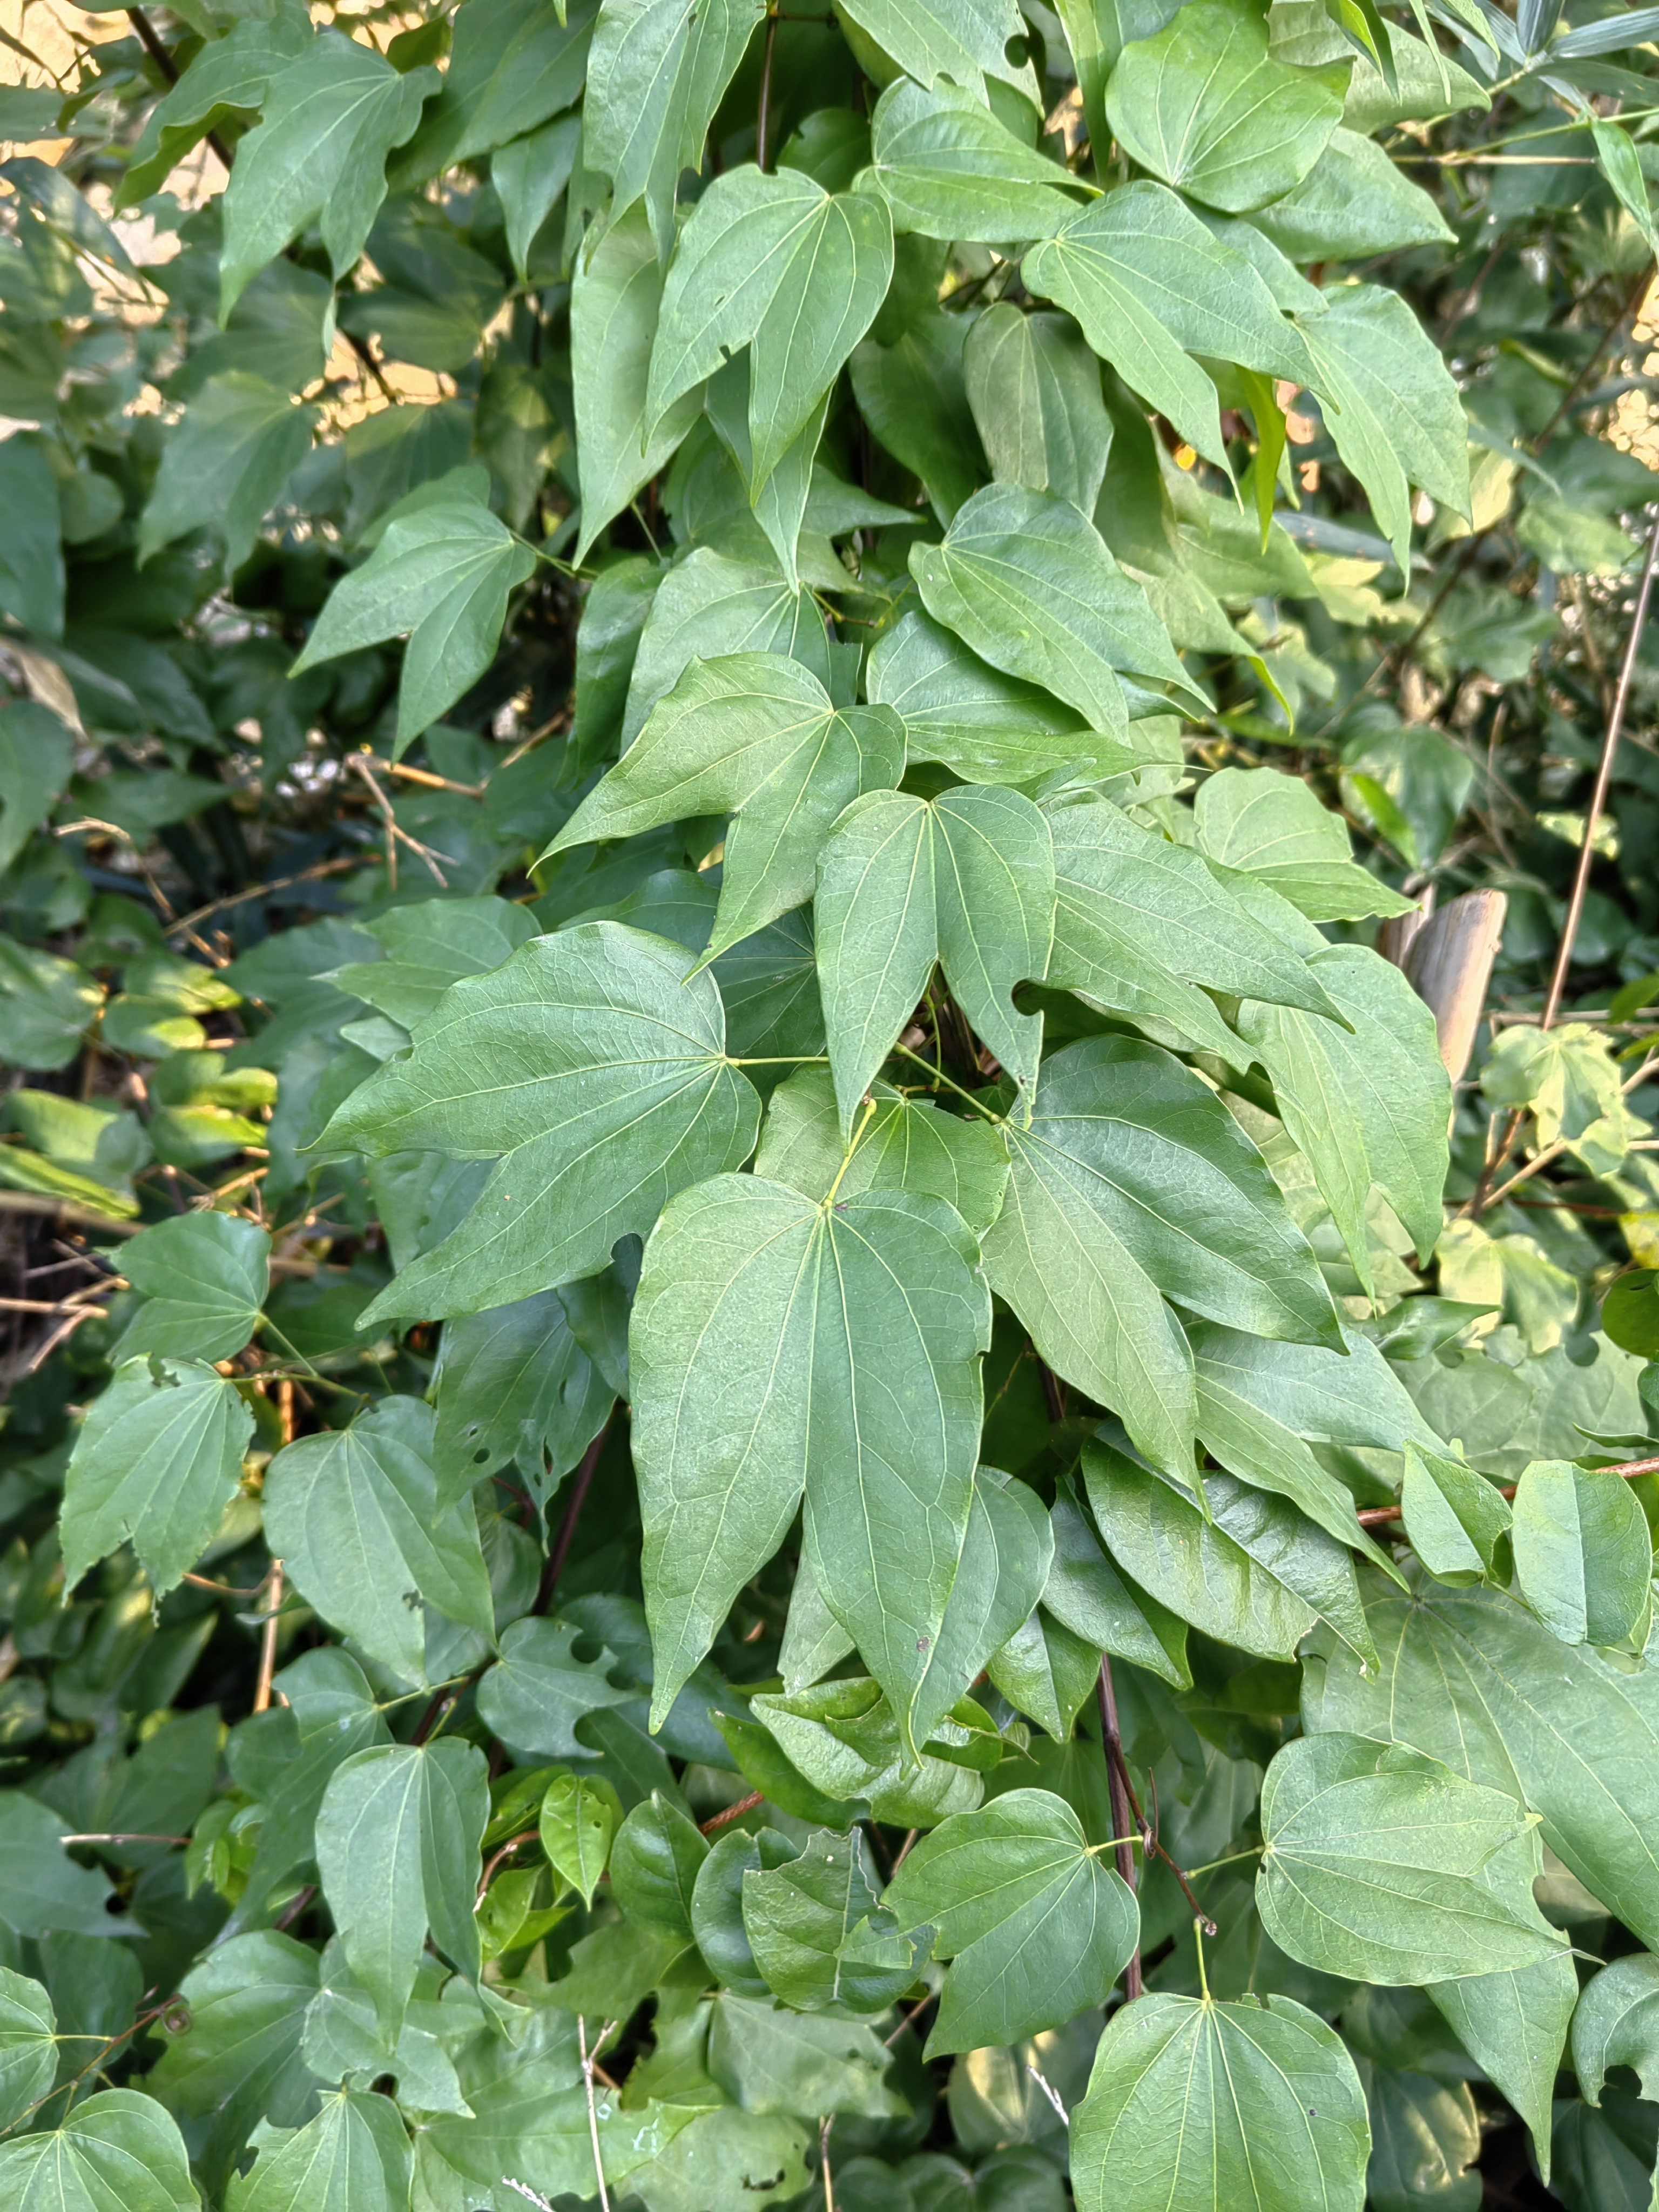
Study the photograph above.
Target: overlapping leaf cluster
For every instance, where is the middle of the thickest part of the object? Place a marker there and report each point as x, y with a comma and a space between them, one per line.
774, 1437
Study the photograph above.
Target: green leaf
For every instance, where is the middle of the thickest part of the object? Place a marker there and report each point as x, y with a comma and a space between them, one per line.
1617, 2024
514, 1384
335, 1713
1255, 2104
966, 41
1087, 1595
118, 2147
948, 169
539, 1690
1568, 1080
1151, 287
844, 1737
158, 1459
31, 558
656, 75
1036, 1923
1630, 1313
1005, 1563
578, 1822
529, 175
1254, 1571
1208, 108
708, 605
1143, 927
912, 394
1369, 1105
366, 1532
654, 1863
907, 1145
615, 300
441, 577
1397, 416
28, 2045
1621, 165
1353, 202
1035, 390
35, 762
46, 1005
1384, 1865
430, 945
241, 440
965, 880
797, 1917
774, 2060
353, 2157
717, 1904
594, 1062
1425, 2136
204, 1278
1514, 2025
1583, 1555
1471, 1678
330, 116
777, 264
756, 736
1047, 1671
398, 1853
1454, 1516
768, 1332
1274, 828
227, 78
1029, 583
510, 68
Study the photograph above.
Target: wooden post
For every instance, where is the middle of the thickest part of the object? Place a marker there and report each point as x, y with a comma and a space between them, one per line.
1448, 960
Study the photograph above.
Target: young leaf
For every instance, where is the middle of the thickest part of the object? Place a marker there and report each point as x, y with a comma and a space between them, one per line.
353, 2157
118, 2147
157, 1460
241, 440
594, 1062
1454, 1516
654, 1863
1030, 584
1152, 287
948, 169
776, 262
1038, 1925
844, 1737
330, 116
1584, 1554
1207, 107
797, 1917
358, 1518
906, 1145
656, 74
1195, 2103
1374, 1864
616, 296
398, 1853
767, 1334
756, 736
203, 1277
533, 1697
966, 879
441, 577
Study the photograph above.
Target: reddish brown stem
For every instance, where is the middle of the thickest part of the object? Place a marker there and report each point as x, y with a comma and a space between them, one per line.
1113, 1740
729, 1813
572, 1512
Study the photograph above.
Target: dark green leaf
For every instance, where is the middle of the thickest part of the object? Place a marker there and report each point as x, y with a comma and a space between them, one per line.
654, 1863
534, 1697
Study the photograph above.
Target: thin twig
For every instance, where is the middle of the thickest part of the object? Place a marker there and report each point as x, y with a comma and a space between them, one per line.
1112, 1742
567, 1535
732, 1812
588, 2059
261, 890
493, 1863
268, 1635
919, 2006
122, 1836
763, 116
825, 2126
1049, 2091
75, 1217
395, 836
1603, 776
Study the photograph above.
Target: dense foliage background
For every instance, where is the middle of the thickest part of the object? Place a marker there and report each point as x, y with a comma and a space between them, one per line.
1023, 538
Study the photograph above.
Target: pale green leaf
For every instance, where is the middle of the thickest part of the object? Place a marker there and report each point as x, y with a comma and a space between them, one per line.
533, 1697
353, 2157
439, 576
768, 1334
777, 264
118, 2149
529, 175
1151, 287
1038, 1925
1374, 1864
1029, 585
717, 1905
843, 1736
912, 395
28, 2045
227, 77
367, 1531
797, 1916
1046, 1670
1352, 202
398, 1853
36, 761
773, 2059
578, 1822
1583, 1554
708, 605
1617, 2024
593, 1061
966, 41
966, 879
1087, 1594
756, 736
1034, 386
158, 1459
948, 169
515, 1383
1254, 2106
430, 944
203, 1277
1274, 828
1207, 107
331, 116
1453, 1515
907, 1145
1514, 2025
